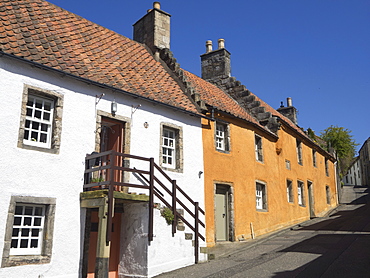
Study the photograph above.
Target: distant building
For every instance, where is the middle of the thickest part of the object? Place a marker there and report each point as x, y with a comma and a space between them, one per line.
364, 154
353, 176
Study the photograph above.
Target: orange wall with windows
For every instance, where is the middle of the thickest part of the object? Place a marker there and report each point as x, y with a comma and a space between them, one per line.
239, 169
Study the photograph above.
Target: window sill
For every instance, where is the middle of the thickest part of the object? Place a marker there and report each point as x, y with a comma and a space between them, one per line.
40, 149
19, 260
262, 210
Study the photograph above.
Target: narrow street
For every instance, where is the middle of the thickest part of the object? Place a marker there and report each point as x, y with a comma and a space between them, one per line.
334, 246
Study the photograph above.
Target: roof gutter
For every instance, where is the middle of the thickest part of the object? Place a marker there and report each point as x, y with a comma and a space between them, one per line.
101, 85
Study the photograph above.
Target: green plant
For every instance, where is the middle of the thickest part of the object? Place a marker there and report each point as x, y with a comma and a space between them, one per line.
167, 214
99, 179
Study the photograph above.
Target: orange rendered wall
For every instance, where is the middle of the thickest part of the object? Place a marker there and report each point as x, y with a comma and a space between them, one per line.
240, 170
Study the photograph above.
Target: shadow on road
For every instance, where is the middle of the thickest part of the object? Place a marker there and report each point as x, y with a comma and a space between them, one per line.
343, 243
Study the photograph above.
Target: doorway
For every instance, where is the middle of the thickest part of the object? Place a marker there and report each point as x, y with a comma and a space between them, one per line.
223, 213
311, 199
114, 245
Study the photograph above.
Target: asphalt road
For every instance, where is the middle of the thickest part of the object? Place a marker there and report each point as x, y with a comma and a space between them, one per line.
334, 246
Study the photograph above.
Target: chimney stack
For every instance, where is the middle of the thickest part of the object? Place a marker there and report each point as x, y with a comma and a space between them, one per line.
290, 111
216, 64
153, 29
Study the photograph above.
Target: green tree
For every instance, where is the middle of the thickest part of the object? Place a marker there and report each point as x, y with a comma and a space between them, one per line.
341, 141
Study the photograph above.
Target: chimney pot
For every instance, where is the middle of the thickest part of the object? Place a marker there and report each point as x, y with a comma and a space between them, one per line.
221, 43
289, 101
208, 46
157, 5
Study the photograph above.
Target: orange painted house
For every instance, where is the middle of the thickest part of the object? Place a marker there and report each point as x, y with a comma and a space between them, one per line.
261, 171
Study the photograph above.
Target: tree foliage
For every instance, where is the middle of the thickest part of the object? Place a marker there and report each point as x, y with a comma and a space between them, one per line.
341, 141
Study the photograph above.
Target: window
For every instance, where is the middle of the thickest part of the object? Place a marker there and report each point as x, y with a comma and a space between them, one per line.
221, 137
300, 191
40, 125
289, 191
258, 148
261, 200
171, 147
29, 233
168, 148
314, 158
327, 167
299, 152
287, 164
327, 189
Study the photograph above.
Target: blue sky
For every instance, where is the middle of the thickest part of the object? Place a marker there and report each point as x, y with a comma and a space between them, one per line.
317, 52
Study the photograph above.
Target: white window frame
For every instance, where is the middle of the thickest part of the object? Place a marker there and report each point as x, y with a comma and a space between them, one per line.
289, 191
299, 152
221, 132
261, 198
169, 148
39, 121
258, 147
28, 228
300, 193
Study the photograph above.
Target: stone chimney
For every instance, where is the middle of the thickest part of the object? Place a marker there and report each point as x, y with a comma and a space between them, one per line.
153, 29
216, 64
290, 111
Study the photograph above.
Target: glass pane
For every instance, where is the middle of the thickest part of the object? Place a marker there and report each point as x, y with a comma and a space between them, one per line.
165, 141
24, 243
35, 125
28, 123
30, 101
37, 221
18, 210
15, 232
38, 103
43, 137
34, 243
38, 114
34, 136
46, 116
169, 160
26, 134
38, 211
25, 232
17, 221
47, 106
28, 210
44, 127
35, 232
29, 112
27, 221
14, 243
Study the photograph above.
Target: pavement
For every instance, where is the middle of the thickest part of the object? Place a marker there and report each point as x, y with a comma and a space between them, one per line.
337, 245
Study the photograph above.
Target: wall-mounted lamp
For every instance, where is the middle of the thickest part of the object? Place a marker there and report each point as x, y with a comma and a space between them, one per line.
114, 107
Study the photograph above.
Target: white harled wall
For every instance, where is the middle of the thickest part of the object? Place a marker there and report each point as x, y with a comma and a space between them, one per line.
39, 174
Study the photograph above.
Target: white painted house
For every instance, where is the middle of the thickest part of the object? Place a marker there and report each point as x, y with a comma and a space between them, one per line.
71, 88
353, 176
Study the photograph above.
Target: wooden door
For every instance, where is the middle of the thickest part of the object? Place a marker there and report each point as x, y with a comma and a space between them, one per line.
221, 213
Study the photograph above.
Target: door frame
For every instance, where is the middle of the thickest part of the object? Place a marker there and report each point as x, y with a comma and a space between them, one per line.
311, 200
229, 195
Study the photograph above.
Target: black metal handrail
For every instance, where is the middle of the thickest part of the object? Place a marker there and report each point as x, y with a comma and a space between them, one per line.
105, 171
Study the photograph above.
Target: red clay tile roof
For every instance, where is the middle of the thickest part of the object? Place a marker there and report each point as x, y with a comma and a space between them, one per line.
214, 96
49, 35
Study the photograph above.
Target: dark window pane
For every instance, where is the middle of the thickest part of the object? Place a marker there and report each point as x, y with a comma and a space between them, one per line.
17, 221
25, 232
15, 232
43, 137
35, 232
34, 243
46, 116
38, 211
28, 123
24, 243
14, 243
47, 106
30, 101
34, 136
28, 210
29, 112
18, 210
38, 114
39, 104
35, 125
44, 127
26, 134
27, 221
37, 221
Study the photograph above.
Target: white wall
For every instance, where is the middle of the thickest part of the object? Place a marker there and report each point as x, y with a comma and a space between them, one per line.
34, 173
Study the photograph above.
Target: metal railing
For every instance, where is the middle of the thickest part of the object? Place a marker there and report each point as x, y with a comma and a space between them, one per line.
106, 171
